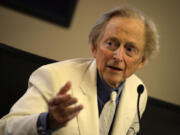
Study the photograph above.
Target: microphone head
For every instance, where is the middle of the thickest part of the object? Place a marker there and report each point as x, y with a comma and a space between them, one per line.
140, 88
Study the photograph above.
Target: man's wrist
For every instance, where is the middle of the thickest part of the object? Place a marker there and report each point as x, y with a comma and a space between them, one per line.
42, 124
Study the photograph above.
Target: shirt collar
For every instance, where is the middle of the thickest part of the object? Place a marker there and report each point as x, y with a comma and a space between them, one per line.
104, 90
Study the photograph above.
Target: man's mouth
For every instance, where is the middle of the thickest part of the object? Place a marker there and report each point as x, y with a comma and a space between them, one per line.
115, 68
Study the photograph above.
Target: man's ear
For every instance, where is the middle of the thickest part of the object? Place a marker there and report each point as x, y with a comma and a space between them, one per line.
93, 50
142, 62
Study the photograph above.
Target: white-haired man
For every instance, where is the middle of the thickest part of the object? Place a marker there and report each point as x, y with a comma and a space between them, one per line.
67, 98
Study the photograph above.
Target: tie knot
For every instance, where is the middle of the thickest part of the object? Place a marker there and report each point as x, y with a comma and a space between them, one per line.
113, 95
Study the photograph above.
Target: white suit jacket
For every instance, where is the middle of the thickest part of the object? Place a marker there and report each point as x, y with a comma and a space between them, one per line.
45, 83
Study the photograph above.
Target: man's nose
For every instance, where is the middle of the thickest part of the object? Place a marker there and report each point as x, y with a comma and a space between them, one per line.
118, 54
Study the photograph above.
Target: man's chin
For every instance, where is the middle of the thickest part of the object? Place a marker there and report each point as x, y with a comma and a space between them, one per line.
114, 83
113, 80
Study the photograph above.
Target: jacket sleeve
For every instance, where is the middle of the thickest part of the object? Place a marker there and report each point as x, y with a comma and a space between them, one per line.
22, 119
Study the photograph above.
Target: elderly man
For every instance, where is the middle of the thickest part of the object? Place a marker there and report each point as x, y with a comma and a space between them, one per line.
69, 97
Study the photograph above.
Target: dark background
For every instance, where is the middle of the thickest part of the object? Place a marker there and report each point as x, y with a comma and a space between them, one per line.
56, 11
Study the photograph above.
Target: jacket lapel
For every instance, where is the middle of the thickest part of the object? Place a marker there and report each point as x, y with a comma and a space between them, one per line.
88, 120
126, 110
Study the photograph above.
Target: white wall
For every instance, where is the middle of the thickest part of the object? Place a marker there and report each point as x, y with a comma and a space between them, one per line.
161, 75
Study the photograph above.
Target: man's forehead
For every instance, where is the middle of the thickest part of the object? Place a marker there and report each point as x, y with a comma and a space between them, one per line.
125, 21
125, 29
125, 25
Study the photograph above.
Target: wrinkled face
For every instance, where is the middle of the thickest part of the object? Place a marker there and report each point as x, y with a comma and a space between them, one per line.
119, 52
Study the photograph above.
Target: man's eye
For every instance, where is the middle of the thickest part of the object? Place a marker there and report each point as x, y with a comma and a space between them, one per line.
112, 45
130, 50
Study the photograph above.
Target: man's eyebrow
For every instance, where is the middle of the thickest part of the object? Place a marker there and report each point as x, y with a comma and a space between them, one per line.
113, 38
131, 43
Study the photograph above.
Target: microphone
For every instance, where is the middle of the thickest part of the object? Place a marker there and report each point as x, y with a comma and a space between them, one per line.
140, 90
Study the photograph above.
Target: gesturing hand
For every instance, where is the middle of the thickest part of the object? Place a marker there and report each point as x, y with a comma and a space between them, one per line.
60, 109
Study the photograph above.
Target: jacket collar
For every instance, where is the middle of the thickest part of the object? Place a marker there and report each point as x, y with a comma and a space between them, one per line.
88, 119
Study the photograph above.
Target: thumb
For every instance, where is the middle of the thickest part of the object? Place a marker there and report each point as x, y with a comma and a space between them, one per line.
65, 88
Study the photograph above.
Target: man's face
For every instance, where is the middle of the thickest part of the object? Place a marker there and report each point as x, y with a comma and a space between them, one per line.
119, 52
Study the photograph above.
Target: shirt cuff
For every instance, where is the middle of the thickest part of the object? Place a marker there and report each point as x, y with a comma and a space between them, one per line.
42, 124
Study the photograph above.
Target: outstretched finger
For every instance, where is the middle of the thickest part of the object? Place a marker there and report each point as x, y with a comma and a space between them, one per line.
60, 99
65, 88
71, 102
70, 117
73, 110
